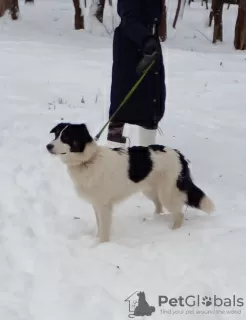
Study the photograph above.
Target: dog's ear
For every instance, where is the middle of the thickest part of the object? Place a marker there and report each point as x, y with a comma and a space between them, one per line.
81, 137
84, 131
58, 128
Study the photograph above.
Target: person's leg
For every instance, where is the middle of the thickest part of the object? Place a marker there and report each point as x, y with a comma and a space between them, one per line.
147, 136
148, 131
115, 138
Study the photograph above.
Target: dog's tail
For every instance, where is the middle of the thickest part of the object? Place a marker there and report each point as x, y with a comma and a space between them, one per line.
198, 199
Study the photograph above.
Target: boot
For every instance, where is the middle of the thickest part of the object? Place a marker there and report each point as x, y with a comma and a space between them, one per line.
115, 137
147, 136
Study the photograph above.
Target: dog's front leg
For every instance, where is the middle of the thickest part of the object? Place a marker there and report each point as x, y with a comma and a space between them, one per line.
105, 217
98, 219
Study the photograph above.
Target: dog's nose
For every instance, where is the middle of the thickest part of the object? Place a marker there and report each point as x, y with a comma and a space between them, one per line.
49, 147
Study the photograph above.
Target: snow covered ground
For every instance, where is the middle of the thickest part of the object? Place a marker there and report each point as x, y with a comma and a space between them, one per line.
50, 265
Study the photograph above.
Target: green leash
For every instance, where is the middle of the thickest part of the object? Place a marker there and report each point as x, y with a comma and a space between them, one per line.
127, 97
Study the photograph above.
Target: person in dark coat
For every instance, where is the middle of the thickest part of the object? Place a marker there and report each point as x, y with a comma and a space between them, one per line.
135, 45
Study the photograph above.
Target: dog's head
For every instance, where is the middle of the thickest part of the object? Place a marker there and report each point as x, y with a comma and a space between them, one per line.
141, 294
70, 140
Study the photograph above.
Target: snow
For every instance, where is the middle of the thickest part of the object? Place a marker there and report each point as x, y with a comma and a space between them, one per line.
51, 266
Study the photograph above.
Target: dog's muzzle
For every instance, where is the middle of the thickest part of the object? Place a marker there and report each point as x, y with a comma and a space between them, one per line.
50, 148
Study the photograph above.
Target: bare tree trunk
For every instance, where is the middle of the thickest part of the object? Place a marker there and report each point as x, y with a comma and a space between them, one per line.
14, 10
100, 9
78, 17
240, 28
12, 6
183, 3
217, 9
206, 1
177, 14
2, 7
211, 14
163, 24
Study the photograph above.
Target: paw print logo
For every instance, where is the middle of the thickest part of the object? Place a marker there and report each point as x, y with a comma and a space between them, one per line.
207, 301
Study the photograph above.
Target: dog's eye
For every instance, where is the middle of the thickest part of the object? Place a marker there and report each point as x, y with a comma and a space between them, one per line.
65, 139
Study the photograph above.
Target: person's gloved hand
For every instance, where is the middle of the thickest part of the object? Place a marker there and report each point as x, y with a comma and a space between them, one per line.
151, 46
151, 51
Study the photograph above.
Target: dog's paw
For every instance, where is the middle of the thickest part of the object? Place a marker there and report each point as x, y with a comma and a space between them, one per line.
178, 222
95, 242
158, 210
101, 241
103, 238
176, 226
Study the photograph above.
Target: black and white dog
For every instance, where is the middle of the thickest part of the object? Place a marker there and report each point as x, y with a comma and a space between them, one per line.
105, 176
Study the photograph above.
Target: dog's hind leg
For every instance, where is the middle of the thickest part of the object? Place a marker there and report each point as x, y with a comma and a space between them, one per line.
152, 195
178, 219
105, 217
173, 200
175, 207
